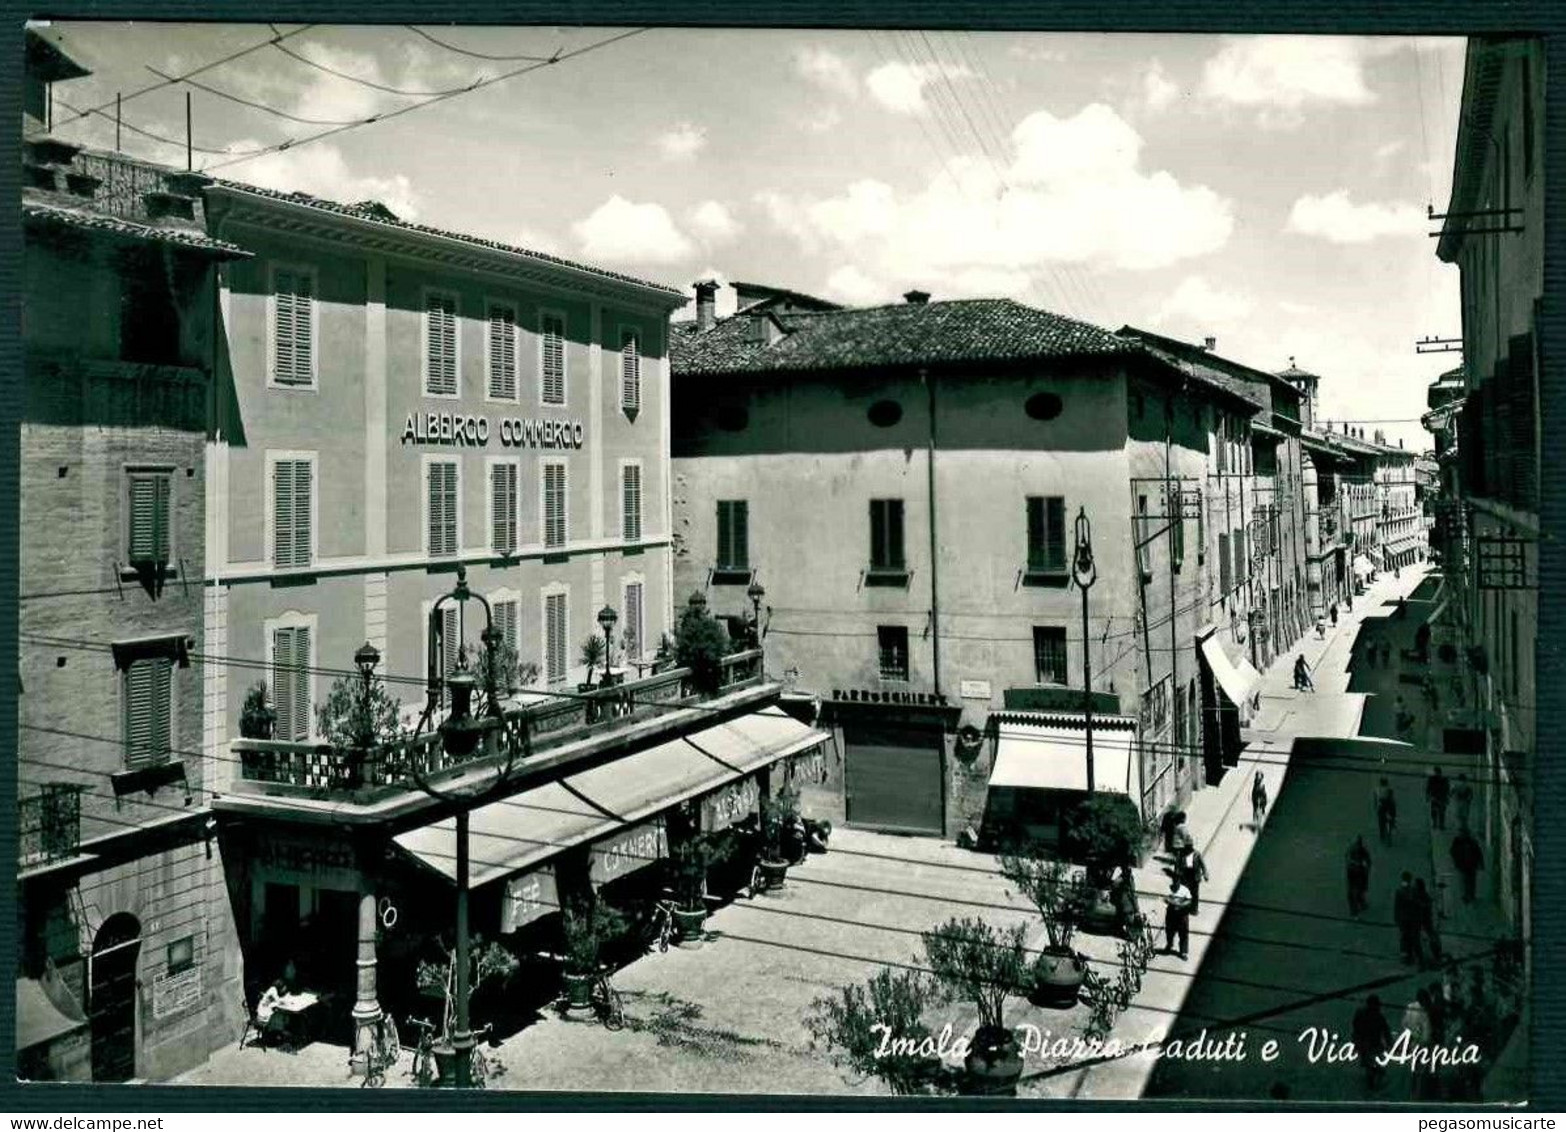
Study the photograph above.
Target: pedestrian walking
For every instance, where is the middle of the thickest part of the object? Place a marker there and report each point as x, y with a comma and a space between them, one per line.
1177, 917
1358, 870
1405, 913
1463, 796
1167, 826
1425, 907
1302, 681
1181, 841
1192, 873
1438, 791
1333, 613
1386, 811
1321, 629
1468, 859
1372, 1038
1123, 896
1258, 801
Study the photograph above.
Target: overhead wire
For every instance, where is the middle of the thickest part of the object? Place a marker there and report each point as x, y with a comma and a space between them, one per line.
272, 110
382, 87
477, 54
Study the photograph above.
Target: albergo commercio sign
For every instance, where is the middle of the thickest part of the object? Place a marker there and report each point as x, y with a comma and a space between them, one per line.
461, 429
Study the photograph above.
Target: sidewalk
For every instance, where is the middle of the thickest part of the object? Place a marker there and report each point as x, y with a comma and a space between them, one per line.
1220, 820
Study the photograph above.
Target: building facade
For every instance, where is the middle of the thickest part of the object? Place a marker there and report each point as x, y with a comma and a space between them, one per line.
128, 966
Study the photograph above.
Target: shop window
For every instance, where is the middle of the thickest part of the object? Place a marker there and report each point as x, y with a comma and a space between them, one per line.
886, 536
1049, 654
502, 352
442, 507
552, 366
149, 688
631, 502
892, 641
554, 509
733, 537
630, 371
440, 344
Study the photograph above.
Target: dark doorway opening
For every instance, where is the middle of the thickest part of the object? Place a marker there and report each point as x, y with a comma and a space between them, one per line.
115, 950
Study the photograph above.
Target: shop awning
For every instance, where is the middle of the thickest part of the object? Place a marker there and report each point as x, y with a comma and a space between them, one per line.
1050, 753
1362, 567
1238, 679
40, 1017
519, 832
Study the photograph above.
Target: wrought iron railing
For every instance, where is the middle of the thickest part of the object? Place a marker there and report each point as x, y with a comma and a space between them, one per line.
49, 825
526, 729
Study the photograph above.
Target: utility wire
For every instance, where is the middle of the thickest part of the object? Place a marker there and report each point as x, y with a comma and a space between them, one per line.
479, 54
274, 111
163, 138
447, 93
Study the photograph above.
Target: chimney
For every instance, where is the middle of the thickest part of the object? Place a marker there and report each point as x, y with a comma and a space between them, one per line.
916, 298
706, 304
1400, 442
1210, 344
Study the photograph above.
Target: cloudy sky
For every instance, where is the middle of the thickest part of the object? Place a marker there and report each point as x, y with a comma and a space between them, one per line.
1267, 191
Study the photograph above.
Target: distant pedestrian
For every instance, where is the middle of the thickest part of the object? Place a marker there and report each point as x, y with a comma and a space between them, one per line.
1358, 871
1438, 792
1405, 913
1468, 859
1302, 681
1192, 873
1177, 917
1167, 826
1463, 796
1333, 613
1258, 801
1321, 629
1372, 1037
1123, 895
1181, 842
1385, 803
1425, 907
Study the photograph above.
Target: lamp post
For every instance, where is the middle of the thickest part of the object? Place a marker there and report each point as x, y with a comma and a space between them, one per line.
755, 591
1084, 573
607, 619
365, 661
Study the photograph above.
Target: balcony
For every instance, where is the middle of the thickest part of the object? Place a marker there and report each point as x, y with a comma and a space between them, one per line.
526, 733
49, 825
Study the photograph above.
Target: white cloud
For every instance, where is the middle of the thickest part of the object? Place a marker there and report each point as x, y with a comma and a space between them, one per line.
1287, 306
855, 288
713, 221
1391, 149
826, 69
322, 170
1336, 218
1074, 193
1198, 302
900, 86
683, 142
1157, 89
1036, 53
620, 231
1288, 72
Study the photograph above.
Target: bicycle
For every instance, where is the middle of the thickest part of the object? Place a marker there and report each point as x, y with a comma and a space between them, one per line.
661, 929
381, 1053
423, 1072
607, 1003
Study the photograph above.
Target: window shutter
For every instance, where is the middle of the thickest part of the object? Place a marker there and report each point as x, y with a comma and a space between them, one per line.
441, 313
291, 682
503, 506
148, 687
878, 545
740, 533
283, 513
725, 533
894, 533
149, 506
450, 640
443, 508
502, 353
301, 683
554, 505
1223, 565
506, 622
630, 371
633, 619
292, 331
1055, 533
302, 512
554, 360
554, 637
631, 509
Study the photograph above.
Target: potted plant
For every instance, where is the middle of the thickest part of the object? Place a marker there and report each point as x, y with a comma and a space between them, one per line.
690, 864
488, 963
855, 1024
700, 644
1104, 833
984, 965
778, 815
592, 659
358, 716
1052, 888
506, 671
257, 719
587, 926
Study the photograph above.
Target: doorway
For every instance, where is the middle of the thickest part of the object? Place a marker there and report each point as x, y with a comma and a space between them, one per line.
115, 950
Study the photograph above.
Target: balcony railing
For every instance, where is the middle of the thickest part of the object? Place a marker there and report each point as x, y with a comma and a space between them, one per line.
525, 729
49, 825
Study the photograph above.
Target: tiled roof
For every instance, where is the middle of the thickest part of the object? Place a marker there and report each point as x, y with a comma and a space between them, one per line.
1210, 376
377, 213
904, 334
131, 229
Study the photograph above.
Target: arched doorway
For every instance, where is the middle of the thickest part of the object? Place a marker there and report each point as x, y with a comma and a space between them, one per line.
113, 998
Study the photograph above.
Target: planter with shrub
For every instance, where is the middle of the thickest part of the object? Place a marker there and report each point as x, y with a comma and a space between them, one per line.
779, 816
1058, 894
688, 868
985, 966
257, 719
852, 1025
587, 927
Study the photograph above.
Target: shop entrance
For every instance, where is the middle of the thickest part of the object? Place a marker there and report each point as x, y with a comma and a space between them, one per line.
893, 777
115, 950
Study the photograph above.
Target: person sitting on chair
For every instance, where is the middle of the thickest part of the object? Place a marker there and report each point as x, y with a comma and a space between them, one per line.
268, 1019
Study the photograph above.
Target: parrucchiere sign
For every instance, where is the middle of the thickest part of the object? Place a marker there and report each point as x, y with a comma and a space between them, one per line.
464, 430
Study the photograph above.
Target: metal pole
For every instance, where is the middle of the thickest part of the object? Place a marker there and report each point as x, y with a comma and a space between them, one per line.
189, 159
1087, 691
116, 121
935, 562
462, 1040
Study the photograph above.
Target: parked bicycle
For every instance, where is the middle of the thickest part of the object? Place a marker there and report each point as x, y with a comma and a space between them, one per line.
381, 1053
660, 930
607, 1005
424, 1072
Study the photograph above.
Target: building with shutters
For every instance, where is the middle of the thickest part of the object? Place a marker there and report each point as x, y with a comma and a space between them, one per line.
128, 967
903, 483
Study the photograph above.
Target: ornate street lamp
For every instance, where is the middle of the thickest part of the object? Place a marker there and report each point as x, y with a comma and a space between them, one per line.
607, 619
755, 591
365, 660
1084, 573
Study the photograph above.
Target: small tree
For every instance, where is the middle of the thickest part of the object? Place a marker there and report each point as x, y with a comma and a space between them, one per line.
689, 866
587, 926
592, 654
358, 715
700, 644
979, 963
778, 814
486, 960
257, 719
507, 670
1053, 889
1104, 833
854, 1025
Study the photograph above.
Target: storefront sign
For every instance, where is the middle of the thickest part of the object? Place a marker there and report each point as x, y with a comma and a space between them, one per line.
460, 429
173, 993
974, 689
304, 857
722, 808
809, 767
528, 898
871, 696
623, 854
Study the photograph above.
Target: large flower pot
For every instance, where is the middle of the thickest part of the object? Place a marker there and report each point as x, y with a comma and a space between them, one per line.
1057, 979
1100, 916
445, 1065
993, 1064
578, 998
690, 927
773, 874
